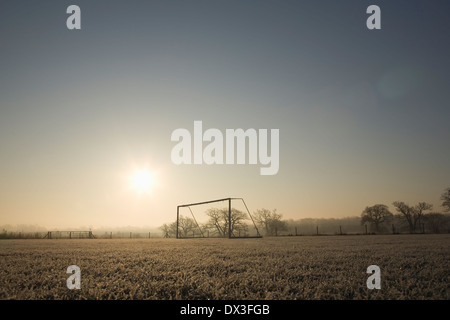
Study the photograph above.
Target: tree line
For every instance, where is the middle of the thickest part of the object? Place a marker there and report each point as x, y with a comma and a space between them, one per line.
378, 218
414, 217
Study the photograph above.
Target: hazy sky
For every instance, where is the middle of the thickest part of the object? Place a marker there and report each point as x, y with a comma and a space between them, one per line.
363, 114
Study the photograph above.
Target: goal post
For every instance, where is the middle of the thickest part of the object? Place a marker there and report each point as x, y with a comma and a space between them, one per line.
232, 221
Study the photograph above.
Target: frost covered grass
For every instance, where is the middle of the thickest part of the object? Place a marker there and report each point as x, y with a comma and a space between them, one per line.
313, 267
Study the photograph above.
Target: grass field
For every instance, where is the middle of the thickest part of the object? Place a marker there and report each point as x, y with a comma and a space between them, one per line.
307, 267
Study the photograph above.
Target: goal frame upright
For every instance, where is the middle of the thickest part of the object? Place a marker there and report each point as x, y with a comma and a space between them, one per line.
229, 215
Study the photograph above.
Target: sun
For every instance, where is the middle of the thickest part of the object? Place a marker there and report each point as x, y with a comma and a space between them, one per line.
142, 181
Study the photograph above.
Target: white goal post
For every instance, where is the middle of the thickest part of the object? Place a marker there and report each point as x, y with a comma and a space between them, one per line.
229, 219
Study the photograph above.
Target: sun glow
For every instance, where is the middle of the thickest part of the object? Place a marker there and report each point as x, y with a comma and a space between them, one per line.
143, 181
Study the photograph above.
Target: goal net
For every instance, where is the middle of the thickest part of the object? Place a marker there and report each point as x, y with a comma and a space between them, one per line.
221, 218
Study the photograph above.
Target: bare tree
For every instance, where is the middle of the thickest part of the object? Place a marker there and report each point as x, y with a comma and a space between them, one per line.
277, 225
219, 220
165, 230
270, 221
263, 218
435, 221
376, 215
237, 221
412, 215
420, 208
446, 199
186, 225
407, 212
169, 230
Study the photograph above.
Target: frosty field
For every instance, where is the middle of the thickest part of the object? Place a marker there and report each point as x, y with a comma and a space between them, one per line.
283, 268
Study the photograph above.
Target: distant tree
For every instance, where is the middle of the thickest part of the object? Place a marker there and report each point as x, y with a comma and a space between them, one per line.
270, 221
407, 213
276, 226
435, 221
412, 215
420, 208
186, 225
446, 199
165, 230
263, 218
237, 221
169, 230
376, 215
219, 220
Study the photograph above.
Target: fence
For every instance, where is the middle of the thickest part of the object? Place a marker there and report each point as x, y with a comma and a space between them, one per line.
318, 230
69, 235
77, 235
127, 235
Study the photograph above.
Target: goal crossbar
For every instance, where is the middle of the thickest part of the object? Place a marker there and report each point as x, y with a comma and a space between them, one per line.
206, 202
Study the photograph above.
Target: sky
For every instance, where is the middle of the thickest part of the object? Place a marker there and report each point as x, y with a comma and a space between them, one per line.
363, 115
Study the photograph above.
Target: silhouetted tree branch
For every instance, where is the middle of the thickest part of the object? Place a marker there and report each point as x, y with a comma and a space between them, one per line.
219, 220
270, 221
412, 215
446, 199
